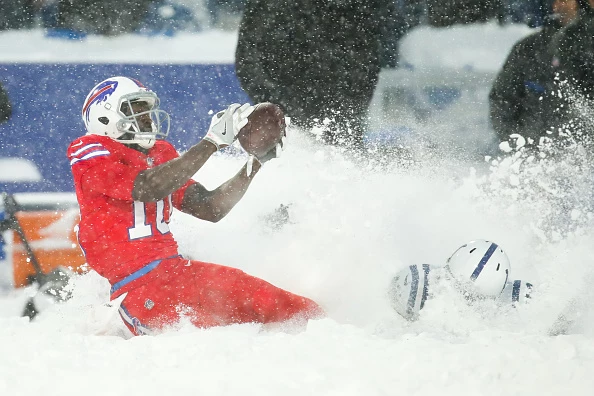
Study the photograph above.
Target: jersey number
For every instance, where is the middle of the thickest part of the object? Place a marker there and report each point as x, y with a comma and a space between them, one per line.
142, 226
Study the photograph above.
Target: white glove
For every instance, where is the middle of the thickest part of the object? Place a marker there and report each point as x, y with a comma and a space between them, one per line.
276, 152
226, 124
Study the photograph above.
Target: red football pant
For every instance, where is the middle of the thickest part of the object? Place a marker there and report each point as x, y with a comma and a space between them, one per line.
209, 295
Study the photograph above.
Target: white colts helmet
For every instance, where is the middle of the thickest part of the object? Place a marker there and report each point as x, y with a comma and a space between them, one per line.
481, 267
409, 290
103, 112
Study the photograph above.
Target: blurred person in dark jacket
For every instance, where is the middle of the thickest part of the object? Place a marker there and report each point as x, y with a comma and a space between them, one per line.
5, 106
318, 59
573, 60
18, 14
108, 17
519, 99
442, 13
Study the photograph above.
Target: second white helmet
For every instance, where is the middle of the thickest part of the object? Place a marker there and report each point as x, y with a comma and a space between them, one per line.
409, 290
480, 266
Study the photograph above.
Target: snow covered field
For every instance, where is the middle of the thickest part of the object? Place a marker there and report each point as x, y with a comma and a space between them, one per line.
353, 224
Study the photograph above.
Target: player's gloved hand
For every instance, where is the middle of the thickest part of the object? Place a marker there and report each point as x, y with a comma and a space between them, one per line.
226, 124
274, 153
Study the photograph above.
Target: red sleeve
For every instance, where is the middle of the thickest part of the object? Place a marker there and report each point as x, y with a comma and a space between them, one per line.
109, 171
168, 153
110, 178
97, 169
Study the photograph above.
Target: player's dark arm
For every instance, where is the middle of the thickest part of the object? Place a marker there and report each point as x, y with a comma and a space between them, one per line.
216, 204
157, 183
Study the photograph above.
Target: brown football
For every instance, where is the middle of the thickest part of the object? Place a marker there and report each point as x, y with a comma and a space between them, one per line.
265, 128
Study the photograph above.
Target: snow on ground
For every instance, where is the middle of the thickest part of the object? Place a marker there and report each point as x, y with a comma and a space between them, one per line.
353, 224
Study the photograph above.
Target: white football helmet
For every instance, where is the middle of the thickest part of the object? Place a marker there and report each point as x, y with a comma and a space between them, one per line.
126, 111
409, 290
481, 267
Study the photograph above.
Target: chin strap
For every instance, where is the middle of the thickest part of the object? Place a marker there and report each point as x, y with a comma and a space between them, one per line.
129, 139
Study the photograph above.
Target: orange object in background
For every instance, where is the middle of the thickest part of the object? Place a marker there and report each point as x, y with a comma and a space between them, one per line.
50, 234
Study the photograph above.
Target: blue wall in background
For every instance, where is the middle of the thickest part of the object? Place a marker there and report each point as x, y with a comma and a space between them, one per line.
47, 101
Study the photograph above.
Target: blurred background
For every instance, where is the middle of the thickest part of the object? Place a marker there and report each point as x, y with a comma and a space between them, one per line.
169, 16
438, 60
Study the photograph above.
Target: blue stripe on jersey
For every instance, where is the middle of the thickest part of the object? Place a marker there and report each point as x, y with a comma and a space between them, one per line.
414, 288
426, 270
481, 264
516, 290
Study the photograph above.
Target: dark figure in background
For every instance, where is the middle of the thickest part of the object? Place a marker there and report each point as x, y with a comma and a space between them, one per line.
108, 17
573, 60
519, 101
5, 106
443, 13
17, 14
318, 59
224, 12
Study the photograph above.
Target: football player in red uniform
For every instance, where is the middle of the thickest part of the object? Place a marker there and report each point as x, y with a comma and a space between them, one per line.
128, 179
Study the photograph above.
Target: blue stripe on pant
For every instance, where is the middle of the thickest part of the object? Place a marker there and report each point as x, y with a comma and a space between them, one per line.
133, 322
139, 328
137, 274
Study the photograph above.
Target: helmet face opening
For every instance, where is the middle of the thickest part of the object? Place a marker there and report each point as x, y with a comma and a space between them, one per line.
124, 110
142, 122
138, 114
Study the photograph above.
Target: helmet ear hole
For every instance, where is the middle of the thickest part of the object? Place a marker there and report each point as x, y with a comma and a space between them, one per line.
123, 125
103, 120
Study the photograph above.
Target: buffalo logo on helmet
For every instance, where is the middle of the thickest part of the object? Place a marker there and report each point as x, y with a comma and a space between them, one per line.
100, 94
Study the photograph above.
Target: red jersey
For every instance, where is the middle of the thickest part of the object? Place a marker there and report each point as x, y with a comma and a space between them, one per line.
119, 235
